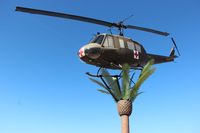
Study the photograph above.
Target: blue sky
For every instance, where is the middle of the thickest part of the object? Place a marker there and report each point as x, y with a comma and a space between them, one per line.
43, 86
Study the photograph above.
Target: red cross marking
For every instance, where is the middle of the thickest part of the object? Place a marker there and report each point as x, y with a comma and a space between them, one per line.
81, 52
136, 54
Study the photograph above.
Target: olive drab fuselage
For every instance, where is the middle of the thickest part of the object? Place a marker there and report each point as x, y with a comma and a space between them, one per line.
112, 51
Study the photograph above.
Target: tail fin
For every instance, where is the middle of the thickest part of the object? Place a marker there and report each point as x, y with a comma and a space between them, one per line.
175, 46
172, 52
172, 55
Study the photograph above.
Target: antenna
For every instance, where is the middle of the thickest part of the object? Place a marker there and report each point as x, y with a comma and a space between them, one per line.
127, 18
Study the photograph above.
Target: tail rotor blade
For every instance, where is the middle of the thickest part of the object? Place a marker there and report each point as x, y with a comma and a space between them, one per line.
175, 46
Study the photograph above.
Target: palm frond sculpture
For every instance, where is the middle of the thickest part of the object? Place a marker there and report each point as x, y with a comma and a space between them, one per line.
124, 94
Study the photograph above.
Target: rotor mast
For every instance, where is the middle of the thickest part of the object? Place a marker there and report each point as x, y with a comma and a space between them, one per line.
120, 27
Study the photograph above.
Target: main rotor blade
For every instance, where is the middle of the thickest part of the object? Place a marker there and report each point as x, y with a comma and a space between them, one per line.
63, 15
87, 19
147, 30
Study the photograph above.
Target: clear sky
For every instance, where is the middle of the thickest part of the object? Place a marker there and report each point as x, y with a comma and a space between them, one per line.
43, 86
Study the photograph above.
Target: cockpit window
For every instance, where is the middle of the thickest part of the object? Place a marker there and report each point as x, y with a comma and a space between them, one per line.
98, 39
108, 42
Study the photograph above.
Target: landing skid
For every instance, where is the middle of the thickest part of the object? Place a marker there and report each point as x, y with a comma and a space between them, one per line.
117, 77
99, 75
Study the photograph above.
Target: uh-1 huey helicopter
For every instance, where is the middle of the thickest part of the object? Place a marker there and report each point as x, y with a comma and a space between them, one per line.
112, 51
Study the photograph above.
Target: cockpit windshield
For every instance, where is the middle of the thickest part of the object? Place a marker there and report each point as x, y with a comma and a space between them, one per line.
98, 39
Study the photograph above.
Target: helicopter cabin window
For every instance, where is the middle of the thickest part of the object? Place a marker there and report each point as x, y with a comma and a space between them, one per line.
133, 46
137, 47
121, 43
108, 42
130, 45
98, 39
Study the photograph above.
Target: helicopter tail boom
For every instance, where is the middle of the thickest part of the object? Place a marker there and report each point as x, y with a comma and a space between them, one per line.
162, 59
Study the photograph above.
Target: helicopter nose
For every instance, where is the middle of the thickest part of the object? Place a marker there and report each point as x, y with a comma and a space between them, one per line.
93, 52
81, 52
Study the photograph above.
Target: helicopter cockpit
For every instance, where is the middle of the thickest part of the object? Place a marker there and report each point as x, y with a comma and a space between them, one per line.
104, 40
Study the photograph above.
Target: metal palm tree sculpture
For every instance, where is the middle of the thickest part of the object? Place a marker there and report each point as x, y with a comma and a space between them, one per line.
124, 94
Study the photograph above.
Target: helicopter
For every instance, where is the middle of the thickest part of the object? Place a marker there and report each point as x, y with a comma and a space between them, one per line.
111, 50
